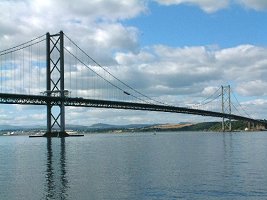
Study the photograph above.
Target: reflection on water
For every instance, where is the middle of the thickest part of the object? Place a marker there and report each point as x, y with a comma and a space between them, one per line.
56, 175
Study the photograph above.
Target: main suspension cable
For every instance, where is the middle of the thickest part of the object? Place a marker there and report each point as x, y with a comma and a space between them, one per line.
125, 84
105, 78
4, 52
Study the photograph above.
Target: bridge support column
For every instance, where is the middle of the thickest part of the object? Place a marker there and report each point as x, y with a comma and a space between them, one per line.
55, 85
226, 108
252, 126
249, 126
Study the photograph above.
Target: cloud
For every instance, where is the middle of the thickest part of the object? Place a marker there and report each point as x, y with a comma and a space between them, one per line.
95, 25
211, 6
209, 90
256, 102
113, 116
167, 69
255, 108
111, 10
208, 6
243, 63
252, 88
186, 76
254, 4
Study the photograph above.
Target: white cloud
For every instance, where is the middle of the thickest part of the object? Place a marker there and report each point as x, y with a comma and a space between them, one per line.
256, 102
95, 25
171, 70
186, 76
121, 117
209, 90
243, 63
255, 108
211, 6
254, 4
105, 10
252, 88
208, 6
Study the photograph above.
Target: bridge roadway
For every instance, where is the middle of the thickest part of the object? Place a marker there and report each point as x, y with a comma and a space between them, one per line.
81, 102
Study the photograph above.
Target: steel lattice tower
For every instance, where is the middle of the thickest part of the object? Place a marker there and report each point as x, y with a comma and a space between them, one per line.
55, 85
226, 107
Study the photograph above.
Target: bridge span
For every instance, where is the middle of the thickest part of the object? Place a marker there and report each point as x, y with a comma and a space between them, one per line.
26, 72
82, 102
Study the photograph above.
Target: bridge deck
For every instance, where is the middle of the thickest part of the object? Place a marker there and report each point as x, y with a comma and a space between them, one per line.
81, 102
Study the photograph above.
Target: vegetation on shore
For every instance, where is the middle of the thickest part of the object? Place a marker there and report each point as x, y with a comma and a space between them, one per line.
106, 128
204, 126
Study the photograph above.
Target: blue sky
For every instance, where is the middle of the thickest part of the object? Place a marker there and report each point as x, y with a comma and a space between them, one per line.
176, 51
185, 25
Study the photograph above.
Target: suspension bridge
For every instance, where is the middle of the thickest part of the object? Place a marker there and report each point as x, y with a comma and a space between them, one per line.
52, 70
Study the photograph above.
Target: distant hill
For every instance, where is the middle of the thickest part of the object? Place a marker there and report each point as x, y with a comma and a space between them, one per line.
13, 127
109, 127
9, 127
204, 126
101, 127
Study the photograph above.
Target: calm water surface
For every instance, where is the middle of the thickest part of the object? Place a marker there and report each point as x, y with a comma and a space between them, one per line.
135, 166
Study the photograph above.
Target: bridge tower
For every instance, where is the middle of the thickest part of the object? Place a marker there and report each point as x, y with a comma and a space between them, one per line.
226, 108
55, 85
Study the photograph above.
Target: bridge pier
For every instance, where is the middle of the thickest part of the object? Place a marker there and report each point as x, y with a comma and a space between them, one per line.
256, 126
251, 126
56, 134
226, 108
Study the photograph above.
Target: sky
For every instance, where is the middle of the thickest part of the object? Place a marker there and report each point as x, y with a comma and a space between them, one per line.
180, 51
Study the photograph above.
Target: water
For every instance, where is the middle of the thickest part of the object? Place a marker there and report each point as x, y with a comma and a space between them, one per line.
135, 166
